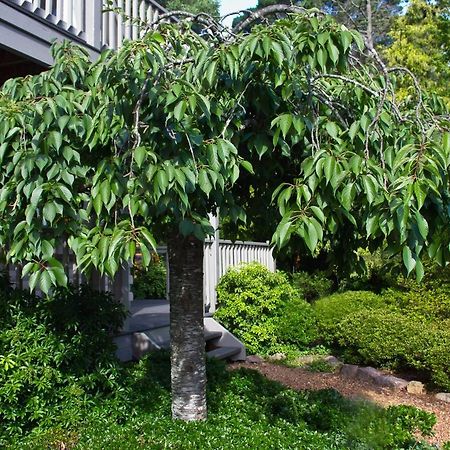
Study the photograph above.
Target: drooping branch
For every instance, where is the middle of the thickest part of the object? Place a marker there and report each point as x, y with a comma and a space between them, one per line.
272, 10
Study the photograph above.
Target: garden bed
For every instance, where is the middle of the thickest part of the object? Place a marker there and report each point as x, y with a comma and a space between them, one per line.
304, 380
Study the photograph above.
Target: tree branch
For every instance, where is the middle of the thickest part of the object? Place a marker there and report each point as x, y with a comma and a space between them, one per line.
270, 10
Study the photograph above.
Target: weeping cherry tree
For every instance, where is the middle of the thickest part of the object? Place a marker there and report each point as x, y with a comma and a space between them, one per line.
138, 147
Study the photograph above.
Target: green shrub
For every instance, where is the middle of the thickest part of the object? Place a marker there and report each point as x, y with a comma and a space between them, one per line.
150, 282
54, 353
382, 337
332, 309
263, 310
312, 285
383, 331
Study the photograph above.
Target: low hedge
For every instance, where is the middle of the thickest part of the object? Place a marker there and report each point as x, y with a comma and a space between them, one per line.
387, 331
263, 309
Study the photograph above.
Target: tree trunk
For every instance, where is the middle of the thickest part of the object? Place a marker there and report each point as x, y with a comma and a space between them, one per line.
187, 339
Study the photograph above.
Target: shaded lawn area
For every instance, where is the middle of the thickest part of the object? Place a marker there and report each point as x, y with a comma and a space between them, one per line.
246, 410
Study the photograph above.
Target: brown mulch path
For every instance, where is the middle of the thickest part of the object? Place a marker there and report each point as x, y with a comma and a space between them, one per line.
301, 379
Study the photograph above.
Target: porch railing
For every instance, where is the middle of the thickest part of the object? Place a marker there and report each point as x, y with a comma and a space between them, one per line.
96, 22
219, 256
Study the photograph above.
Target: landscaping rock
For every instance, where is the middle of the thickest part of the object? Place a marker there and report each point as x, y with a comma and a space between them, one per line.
254, 359
277, 357
369, 374
349, 370
334, 362
443, 396
415, 387
395, 383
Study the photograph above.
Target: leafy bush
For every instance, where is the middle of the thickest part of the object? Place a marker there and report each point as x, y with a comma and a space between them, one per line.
150, 282
382, 337
54, 353
312, 285
262, 309
388, 331
331, 310
246, 410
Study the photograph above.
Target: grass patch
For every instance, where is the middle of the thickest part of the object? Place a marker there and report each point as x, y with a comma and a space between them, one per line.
245, 411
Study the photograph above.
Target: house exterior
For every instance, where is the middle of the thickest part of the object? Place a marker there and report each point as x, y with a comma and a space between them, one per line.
28, 28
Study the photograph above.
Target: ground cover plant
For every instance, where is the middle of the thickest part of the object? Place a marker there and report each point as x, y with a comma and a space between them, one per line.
246, 411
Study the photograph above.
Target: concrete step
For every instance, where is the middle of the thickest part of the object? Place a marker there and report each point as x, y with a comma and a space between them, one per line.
223, 352
159, 338
211, 335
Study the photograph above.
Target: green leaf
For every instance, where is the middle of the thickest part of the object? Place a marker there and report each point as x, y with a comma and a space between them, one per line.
45, 282
55, 139
283, 232
408, 259
322, 58
213, 156
354, 127
419, 271
46, 249
372, 225
370, 188
329, 167
446, 142
139, 155
65, 193
35, 196
105, 191
332, 129
422, 224
318, 213
179, 110
148, 237
62, 122
284, 122
347, 196
346, 39
333, 52
420, 194
204, 183
247, 166
311, 237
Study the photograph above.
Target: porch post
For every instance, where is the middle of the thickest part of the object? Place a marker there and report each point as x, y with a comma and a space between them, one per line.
215, 262
93, 11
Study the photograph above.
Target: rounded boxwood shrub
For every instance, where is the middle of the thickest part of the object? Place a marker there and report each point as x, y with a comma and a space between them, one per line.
332, 309
382, 337
263, 310
386, 331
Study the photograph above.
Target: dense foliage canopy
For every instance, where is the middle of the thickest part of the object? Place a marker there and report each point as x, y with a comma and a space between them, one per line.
109, 155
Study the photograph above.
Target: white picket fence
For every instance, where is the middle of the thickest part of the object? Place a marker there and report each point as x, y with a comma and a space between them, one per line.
96, 22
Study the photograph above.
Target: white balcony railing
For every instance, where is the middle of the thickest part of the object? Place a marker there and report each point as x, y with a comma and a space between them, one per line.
96, 22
